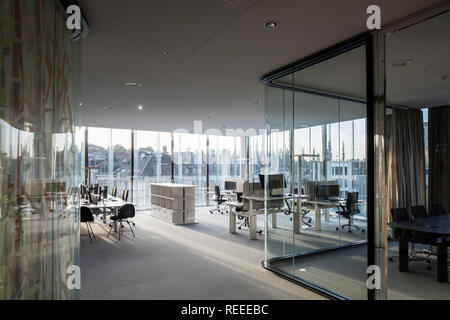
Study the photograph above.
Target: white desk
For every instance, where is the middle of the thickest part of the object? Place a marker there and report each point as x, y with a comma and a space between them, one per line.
252, 214
111, 203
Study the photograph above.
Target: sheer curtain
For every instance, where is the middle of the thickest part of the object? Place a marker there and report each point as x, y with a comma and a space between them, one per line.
439, 153
405, 159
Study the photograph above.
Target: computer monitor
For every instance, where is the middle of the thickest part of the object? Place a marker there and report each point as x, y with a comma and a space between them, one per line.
277, 183
230, 185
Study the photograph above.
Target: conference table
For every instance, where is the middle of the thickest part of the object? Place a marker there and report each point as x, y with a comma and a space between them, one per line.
438, 226
111, 203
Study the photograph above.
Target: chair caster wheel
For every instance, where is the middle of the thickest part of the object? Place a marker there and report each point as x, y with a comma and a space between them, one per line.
337, 228
349, 231
363, 230
428, 267
390, 259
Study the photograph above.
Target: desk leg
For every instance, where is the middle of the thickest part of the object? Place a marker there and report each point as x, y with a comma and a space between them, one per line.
297, 222
232, 221
116, 223
327, 215
252, 219
442, 260
318, 222
403, 253
274, 220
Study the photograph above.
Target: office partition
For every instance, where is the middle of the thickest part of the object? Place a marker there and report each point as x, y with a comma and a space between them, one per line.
316, 122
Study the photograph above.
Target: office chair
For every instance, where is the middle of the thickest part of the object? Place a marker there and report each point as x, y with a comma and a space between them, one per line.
125, 195
350, 209
438, 209
126, 211
306, 220
419, 212
218, 199
87, 217
114, 192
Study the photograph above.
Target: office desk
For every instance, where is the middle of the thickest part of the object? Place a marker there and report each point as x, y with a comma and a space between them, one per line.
323, 204
434, 225
111, 203
251, 213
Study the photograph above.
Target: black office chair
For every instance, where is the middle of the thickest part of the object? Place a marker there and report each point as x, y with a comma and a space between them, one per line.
349, 210
126, 212
438, 209
306, 220
125, 195
419, 212
87, 217
114, 192
218, 199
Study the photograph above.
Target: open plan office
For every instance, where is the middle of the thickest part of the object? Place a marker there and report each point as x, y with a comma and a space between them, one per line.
224, 150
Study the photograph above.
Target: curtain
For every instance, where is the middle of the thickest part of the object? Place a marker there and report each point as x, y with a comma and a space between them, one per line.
439, 154
405, 159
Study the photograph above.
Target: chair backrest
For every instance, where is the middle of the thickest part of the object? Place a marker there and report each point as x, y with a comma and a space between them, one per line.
125, 195
217, 191
438, 209
239, 196
419, 212
92, 198
105, 192
399, 214
126, 211
86, 215
114, 192
352, 202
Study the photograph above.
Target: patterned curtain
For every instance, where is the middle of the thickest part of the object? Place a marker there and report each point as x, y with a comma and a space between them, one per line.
439, 153
39, 222
405, 159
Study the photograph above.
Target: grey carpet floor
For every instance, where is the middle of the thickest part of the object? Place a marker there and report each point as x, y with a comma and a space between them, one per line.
343, 271
202, 261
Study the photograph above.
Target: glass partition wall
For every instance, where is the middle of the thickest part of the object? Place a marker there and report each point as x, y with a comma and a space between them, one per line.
316, 121
417, 155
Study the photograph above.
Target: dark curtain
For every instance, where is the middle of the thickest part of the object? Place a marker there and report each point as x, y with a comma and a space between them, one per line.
439, 154
405, 159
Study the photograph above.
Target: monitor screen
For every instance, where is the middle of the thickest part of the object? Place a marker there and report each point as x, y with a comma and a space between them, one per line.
230, 185
276, 181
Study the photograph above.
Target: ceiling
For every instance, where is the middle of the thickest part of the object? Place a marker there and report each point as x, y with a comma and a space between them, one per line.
217, 53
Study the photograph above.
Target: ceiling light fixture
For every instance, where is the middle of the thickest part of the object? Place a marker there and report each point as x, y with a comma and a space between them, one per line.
168, 53
256, 101
108, 108
140, 108
403, 63
271, 25
133, 84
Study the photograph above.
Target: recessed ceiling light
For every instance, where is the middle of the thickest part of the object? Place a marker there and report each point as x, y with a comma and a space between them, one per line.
108, 108
271, 25
403, 63
168, 53
256, 101
133, 84
81, 104
140, 107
